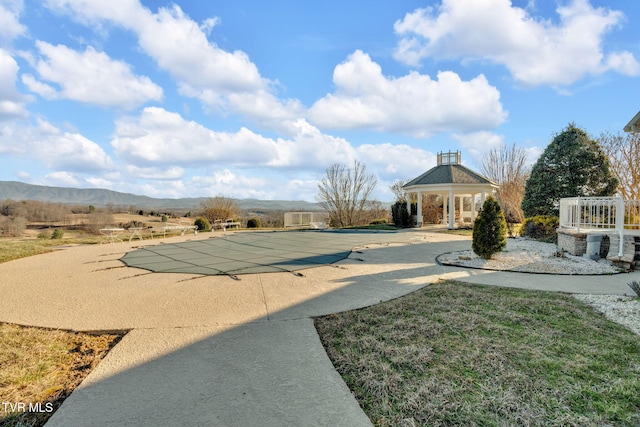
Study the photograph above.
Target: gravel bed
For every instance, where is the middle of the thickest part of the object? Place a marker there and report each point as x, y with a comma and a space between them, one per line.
530, 256
620, 309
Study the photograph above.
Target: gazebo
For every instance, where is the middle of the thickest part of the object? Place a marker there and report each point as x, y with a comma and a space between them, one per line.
634, 124
450, 180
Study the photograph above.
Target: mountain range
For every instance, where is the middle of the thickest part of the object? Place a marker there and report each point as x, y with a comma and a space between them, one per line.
101, 197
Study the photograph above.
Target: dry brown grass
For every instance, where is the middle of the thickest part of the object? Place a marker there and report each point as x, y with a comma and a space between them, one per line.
42, 367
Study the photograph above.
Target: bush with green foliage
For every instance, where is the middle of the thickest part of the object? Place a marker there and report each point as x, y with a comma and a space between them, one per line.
572, 165
254, 223
400, 214
541, 227
489, 230
378, 221
58, 233
202, 224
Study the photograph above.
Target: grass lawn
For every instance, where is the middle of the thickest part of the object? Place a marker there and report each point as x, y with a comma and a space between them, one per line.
460, 354
41, 367
11, 249
15, 248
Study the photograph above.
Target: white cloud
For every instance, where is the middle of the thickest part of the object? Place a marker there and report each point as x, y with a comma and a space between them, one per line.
478, 144
536, 51
221, 80
414, 104
179, 46
171, 173
62, 151
311, 149
396, 161
11, 102
90, 77
62, 179
162, 137
162, 145
10, 26
624, 63
231, 184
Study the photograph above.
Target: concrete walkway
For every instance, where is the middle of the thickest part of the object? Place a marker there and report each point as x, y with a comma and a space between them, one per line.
213, 351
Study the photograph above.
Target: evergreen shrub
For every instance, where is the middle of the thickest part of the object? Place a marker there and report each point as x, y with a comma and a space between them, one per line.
541, 227
489, 230
400, 215
254, 223
202, 223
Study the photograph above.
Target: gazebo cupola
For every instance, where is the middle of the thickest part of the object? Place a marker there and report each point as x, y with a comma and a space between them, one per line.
450, 180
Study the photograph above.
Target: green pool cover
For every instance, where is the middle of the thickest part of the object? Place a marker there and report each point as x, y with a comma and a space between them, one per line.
260, 252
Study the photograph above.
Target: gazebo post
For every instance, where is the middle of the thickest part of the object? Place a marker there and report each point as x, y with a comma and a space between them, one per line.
445, 214
452, 208
473, 208
419, 210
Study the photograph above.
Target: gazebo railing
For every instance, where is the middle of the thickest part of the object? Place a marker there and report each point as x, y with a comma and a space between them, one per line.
589, 214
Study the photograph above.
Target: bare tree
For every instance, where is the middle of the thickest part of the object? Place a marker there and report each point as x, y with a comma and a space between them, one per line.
375, 210
398, 191
624, 156
219, 208
507, 167
344, 193
12, 226
99, 218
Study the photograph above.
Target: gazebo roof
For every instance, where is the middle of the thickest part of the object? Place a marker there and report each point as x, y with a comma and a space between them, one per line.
449, 174
634, 124
449, 171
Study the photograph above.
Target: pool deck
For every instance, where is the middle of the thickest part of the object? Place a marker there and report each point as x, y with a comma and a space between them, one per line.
212, 350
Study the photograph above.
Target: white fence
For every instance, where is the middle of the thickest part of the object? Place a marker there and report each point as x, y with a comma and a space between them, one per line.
601, 214
306, 219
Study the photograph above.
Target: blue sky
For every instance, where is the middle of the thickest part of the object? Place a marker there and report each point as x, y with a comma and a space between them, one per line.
257, 99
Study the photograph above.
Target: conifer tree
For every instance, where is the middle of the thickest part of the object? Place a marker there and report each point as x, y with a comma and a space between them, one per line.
489, 230
572, 165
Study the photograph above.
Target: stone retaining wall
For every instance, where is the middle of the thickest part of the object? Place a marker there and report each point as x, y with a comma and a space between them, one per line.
627, 260
576, 244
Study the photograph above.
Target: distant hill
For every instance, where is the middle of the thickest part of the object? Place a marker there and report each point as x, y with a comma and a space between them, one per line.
100, 197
